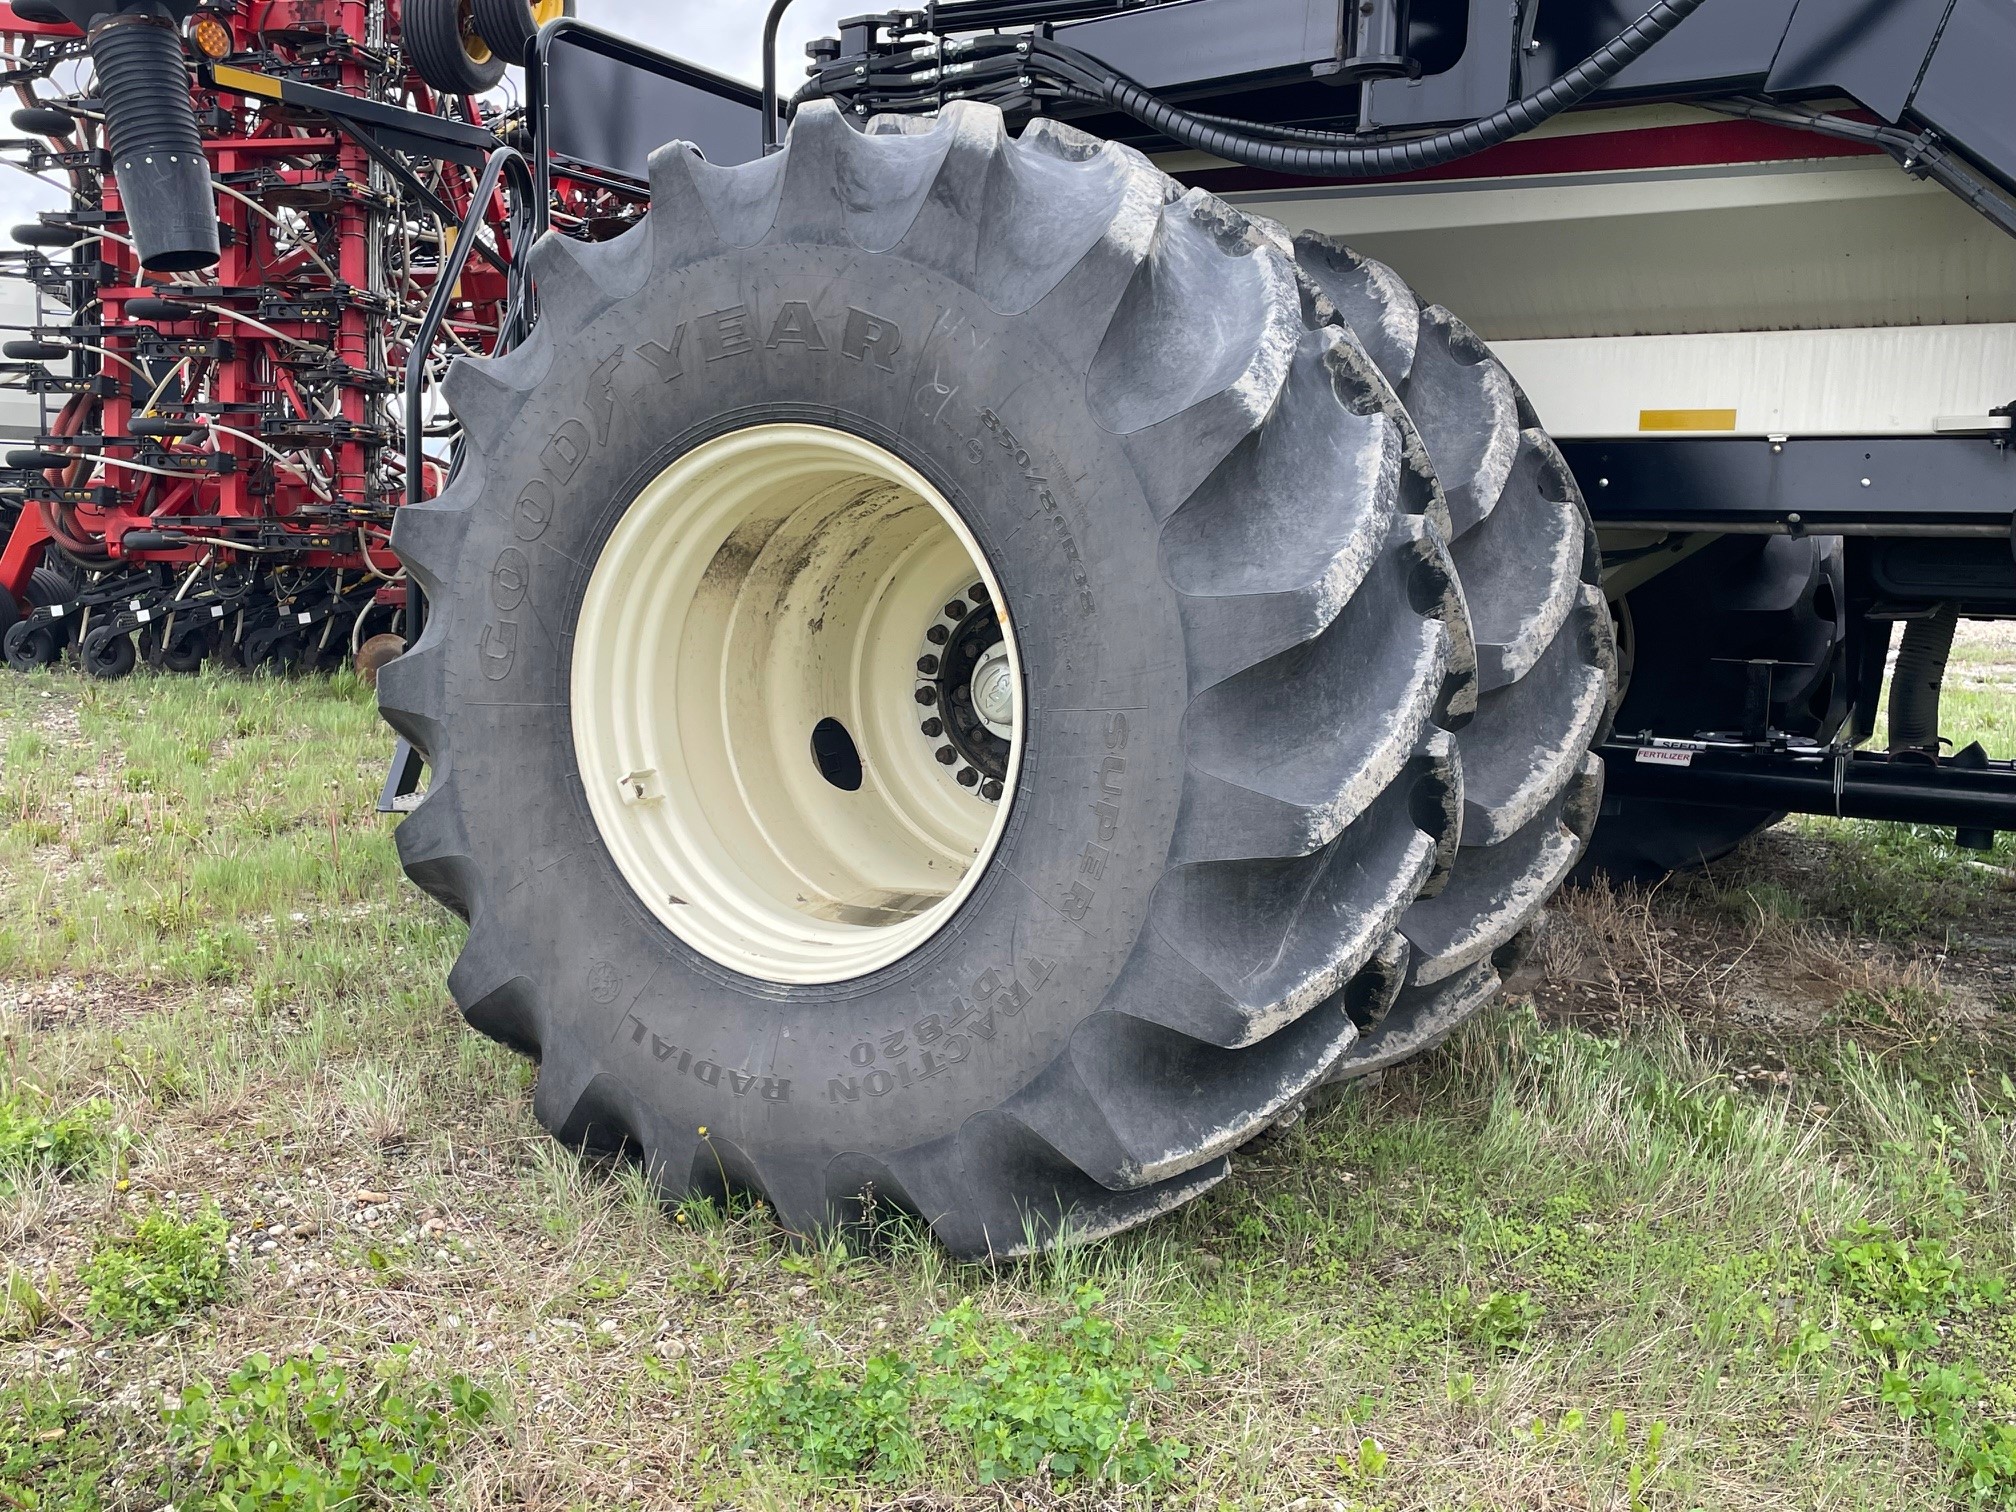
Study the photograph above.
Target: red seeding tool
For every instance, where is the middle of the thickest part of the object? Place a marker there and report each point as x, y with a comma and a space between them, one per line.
218, 435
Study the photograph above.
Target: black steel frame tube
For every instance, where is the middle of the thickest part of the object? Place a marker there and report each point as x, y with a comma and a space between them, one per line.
1870, 788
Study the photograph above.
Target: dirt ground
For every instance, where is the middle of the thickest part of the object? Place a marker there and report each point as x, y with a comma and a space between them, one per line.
1773, 938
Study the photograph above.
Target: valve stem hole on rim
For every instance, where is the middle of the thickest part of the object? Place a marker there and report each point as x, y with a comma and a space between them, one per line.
777, 583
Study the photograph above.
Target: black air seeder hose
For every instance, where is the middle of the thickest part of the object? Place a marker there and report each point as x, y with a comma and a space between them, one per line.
1916, 683
157, 151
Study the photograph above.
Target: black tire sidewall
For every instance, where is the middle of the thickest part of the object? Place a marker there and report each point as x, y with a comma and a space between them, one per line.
987, 408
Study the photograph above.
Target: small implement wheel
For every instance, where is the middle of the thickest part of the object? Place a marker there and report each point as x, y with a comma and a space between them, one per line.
510, 25
183, 653
108, 654
446, 49
31, 647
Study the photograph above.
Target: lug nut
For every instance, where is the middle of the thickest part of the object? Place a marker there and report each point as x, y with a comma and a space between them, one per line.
933, 728
927, 695
991, 790
946, 755
956, 609
928, 665
967, 776
937, 635
977, 593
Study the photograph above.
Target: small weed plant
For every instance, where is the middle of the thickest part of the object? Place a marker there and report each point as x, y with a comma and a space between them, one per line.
36, 1142
143, 1281
837, 1423
1062, 1403
1500, 1322
54, 1457
1901, 1298
305, 1435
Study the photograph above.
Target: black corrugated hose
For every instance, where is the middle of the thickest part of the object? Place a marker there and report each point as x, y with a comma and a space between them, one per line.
1101, 82
157, 152
1919, 678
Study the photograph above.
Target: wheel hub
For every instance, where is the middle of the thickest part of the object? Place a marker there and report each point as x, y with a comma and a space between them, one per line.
966, 691
994, 691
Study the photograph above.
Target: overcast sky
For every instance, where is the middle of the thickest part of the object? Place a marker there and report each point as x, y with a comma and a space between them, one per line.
726, 35
723, 34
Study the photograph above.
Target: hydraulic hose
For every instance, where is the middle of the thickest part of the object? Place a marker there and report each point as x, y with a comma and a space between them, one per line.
1097, 79
1918, 153
157, 152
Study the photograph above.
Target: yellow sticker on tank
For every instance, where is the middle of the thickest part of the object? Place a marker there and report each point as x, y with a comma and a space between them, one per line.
1687, 420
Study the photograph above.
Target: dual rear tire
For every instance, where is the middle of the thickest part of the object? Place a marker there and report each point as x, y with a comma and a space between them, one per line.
1271, 742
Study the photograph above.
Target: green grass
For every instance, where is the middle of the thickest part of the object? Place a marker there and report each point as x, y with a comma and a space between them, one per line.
1597, 1266
36, 1140
55, 1452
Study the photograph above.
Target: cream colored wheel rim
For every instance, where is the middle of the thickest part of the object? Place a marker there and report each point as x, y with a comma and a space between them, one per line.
770, 579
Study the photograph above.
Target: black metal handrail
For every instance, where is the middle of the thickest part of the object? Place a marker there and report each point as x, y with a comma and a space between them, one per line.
526, 210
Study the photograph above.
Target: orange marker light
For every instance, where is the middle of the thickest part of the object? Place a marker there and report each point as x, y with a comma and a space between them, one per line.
210, 36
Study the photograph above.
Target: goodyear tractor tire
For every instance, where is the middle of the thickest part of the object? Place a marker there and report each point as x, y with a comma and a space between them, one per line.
509, 26
1526, 557
446, 49
1688, 636
942, 686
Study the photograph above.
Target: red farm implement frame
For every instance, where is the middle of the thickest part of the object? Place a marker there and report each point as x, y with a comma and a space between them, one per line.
222, 447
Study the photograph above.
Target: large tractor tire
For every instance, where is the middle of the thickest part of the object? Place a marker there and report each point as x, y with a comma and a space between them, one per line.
1688, 637
1526, 556
943, 684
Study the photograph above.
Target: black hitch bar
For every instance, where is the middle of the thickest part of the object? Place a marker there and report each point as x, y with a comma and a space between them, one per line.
1966, 792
